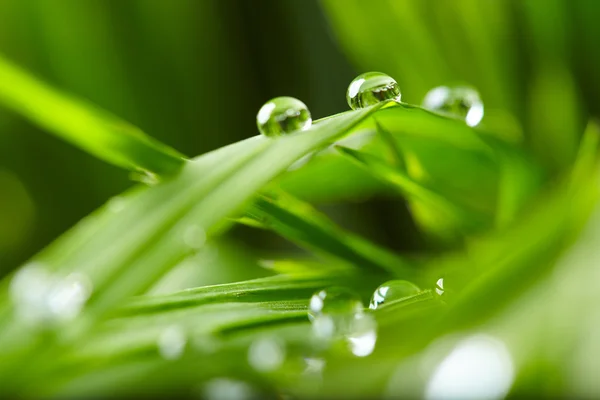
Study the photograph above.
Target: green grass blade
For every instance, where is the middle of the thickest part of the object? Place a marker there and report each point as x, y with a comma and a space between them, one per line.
302, 224
83, 125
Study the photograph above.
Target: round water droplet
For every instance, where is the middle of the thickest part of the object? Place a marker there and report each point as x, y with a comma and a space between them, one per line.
42, 298
371, 88
460, 102
393, 290
439, 286
266, 354
363, 335
283, 115
332, 313
334, 300
171, 342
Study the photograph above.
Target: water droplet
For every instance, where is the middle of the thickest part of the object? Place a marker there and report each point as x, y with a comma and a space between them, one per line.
393, 290
43, 298
479, 367
371, 88
68, 296
194, 237
337, 315
439, 286
332, 312
461, 102
363, 335
266, 354
283, 115
227, 389
171, 342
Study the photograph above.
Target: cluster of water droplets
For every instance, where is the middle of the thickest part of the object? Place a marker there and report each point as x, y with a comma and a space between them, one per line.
283, 115
42, 298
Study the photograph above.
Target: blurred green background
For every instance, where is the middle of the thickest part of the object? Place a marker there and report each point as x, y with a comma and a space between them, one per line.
193, 73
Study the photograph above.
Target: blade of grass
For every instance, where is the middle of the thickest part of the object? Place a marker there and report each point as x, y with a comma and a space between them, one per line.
302, 224
93, 130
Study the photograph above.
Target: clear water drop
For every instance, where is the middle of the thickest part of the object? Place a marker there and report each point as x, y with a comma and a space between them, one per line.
266, 354
371, 88
332, 311
283, 115
363, 335
392, 290
171, 342
439, 286
42, 298
338, 317
461, 102
227, 389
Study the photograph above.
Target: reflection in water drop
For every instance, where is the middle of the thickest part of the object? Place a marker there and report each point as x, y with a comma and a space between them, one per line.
194, 237
393, 290
479, 367
461, 102
337, 315
227, 389
42, 298
283, 115
371, 88
332, 312
363, 335
266, 354
439, 286
171, 342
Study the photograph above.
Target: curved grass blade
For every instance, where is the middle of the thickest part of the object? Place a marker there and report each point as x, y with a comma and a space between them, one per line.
84, 125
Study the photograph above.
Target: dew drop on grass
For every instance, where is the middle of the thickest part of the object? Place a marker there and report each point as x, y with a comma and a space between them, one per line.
363, 335
171, 342
459, 102
332, 311
43, 299
266, 354
283, 115
371, 88
392, 290
337, 316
